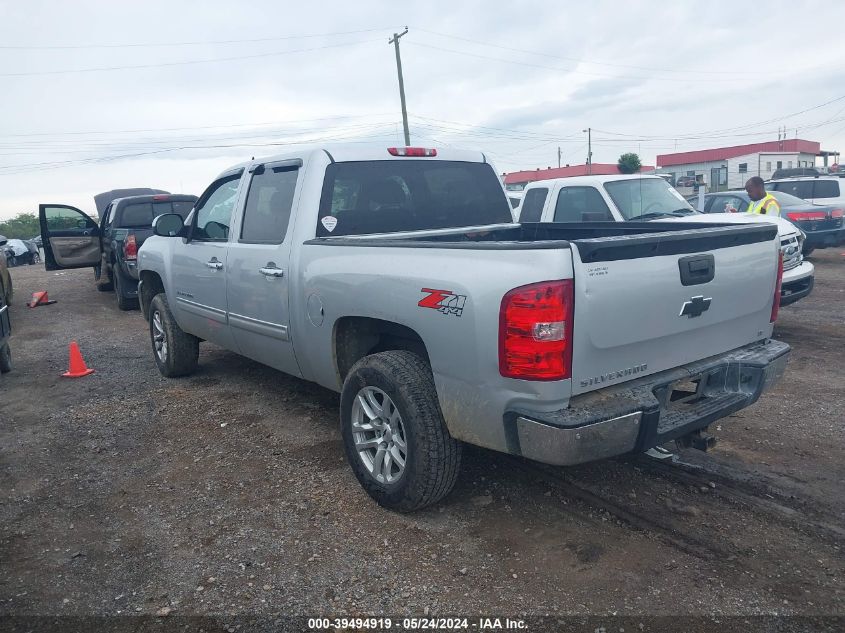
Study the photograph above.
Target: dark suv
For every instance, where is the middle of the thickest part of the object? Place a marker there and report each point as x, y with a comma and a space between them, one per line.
70, 236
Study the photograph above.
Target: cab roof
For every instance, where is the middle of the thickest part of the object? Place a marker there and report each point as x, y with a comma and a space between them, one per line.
349, 152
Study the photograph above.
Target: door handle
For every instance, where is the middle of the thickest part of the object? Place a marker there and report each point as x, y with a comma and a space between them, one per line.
272, 272
214, 264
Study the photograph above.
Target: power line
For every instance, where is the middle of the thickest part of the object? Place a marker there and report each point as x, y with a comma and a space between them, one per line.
183, 63
579, 60
732, 129
195, 43
572, 70
199, 127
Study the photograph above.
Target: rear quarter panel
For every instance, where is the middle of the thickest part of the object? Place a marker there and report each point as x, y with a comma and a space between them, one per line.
387, 283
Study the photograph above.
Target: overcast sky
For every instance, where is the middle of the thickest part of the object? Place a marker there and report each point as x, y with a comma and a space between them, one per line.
102, 95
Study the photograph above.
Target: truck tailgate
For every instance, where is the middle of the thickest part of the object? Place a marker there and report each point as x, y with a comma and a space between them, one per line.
647, 303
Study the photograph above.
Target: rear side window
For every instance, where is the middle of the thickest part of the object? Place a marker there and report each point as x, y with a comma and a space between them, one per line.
581, 204
799, 188
268, 205
826, 189
532, 205
409, 195
141, 214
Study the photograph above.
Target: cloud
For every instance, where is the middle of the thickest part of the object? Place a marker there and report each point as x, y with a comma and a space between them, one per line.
516, 80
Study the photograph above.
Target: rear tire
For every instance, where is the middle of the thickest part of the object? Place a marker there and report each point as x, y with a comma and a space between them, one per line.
175, 351
399, 386
123, 302
5, 359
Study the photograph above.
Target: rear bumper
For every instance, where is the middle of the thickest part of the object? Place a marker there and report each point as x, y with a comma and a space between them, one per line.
130, 269
823, 239
640, 414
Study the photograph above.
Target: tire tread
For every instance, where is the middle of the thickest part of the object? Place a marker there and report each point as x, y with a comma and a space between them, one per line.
439, 454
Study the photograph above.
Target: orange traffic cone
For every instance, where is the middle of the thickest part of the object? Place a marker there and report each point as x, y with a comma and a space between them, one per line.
40, 299
77, 367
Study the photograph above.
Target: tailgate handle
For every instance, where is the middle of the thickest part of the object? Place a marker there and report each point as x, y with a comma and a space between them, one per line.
697, 269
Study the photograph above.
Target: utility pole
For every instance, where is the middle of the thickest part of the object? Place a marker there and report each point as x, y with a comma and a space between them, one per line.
558, 156
589, 132
395, 42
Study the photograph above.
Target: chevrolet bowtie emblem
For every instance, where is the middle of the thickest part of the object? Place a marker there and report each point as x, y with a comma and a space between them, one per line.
696, 306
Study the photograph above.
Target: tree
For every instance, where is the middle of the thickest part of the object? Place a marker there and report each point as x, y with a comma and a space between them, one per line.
23, 226
629, 163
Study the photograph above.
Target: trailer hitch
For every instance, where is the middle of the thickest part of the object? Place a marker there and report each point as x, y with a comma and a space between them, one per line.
698, 440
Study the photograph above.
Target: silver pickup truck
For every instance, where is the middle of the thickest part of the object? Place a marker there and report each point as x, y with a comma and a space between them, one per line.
397, 277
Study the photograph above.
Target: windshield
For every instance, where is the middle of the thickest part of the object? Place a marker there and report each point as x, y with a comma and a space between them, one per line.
409, 195
638, 197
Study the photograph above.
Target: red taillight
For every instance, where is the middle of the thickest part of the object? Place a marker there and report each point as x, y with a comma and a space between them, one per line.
535, 331
130, 247
411, 151
836, 213
798, 216
776, 301
160, 197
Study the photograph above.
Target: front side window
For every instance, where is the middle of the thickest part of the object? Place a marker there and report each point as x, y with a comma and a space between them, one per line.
409, 195
214, 209
268, 205
728, 204
638, 197
532, 205
581, 204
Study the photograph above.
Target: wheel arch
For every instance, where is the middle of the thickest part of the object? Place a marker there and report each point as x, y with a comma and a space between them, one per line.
357, 337
150, 285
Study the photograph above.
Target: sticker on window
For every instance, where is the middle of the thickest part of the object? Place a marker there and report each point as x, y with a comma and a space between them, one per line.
330, 222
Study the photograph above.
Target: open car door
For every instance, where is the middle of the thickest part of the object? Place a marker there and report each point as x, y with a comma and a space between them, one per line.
71, 239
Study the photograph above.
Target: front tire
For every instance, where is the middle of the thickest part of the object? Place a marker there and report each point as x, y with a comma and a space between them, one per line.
393, 431
175, 351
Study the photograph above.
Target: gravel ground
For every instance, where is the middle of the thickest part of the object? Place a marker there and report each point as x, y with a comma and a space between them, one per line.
227, 493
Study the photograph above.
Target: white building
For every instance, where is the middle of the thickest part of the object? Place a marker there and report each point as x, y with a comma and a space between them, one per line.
729, 167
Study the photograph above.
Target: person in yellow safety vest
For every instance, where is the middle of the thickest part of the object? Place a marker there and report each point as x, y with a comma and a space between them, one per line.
761, 202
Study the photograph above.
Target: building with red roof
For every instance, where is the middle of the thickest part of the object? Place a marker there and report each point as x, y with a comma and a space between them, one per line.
518, 179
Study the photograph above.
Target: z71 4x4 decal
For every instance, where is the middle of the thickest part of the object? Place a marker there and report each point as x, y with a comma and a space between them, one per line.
444, 301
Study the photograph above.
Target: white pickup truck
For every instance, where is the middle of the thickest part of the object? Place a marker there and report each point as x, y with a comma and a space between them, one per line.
397, 277
620, 198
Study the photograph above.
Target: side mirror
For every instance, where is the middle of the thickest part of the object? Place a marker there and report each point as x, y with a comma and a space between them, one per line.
169, 225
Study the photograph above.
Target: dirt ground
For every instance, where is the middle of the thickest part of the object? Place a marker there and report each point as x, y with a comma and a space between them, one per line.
227, 493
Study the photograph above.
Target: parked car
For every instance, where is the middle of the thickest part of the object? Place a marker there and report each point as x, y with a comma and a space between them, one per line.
621, 198
5, 277
791, 172
5, 333
822, 224
37, 241
125, 224
828, 189
685, 181
22, 252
